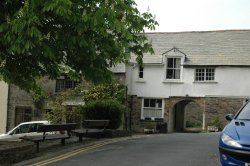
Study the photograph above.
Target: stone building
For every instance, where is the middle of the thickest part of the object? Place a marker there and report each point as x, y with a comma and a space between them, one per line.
192, 80
18, 106
21, 107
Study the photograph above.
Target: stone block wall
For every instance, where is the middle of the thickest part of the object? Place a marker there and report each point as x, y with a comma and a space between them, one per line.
17, 97
135, 108
215, 109
20, 98
13, 152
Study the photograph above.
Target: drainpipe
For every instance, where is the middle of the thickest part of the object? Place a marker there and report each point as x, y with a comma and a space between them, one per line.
204, 115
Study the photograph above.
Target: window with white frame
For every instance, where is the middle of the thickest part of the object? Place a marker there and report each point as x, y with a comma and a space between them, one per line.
152, 108
140, 74
173, 68
63, 83
204, 74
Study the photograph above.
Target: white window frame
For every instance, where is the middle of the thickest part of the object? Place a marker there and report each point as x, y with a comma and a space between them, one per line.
204, 74
152, 112
63, 83
180, 68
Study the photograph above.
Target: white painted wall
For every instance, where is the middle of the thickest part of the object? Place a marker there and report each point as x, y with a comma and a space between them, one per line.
229, 82
3, 106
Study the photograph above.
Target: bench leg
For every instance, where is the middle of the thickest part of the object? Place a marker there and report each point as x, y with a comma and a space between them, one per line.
37, 147
80, 138
63, 141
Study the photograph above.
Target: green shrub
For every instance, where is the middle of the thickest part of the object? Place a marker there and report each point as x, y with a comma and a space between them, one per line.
193, 123
216, 122
112, 91
104, 109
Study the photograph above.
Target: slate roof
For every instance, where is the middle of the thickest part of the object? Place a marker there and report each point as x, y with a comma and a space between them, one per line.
119, 68
226, 47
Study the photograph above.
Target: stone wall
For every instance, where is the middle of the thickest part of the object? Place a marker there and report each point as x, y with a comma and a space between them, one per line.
194, 115
20, 98
135, 108
13, 152
215, 110
17, 97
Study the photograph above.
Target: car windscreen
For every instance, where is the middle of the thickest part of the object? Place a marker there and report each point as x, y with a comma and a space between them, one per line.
244, 113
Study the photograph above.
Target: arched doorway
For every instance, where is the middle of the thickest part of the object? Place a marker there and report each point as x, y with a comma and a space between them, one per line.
185, 115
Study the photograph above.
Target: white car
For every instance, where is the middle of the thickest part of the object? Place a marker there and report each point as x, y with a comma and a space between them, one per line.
23, 129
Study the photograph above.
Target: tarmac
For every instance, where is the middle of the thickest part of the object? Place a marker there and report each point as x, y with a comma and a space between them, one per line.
52, 151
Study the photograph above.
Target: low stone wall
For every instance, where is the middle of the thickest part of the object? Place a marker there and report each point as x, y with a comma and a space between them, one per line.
13, 152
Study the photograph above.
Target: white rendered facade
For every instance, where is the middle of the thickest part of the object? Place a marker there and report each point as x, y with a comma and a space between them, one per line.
3, 106
206, 65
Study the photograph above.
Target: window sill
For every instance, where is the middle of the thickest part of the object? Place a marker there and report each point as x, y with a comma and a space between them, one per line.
205, 82
140, 81
173, 82
145, 119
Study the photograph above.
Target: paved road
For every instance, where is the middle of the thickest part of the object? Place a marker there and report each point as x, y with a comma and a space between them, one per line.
176, 149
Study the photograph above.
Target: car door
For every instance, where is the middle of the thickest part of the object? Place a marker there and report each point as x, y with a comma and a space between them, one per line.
25, 130
19, 131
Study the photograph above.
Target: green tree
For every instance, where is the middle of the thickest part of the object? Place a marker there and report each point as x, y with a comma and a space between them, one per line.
44, 38
113, 92
60, 111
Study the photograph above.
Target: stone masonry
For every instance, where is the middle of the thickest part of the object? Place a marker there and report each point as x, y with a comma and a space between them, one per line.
215, 109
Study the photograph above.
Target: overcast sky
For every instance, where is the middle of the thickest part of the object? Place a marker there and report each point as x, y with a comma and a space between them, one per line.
198, 15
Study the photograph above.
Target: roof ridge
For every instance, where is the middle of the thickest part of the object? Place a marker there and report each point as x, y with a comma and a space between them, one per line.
207, 31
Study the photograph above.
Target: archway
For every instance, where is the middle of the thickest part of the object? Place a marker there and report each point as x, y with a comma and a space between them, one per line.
185, 115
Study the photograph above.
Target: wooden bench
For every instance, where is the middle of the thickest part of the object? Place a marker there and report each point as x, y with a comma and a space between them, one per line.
90, 128
62, 132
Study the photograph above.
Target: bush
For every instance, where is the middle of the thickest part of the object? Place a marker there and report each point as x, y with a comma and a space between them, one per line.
193, 123
104, 109
216, 122
112, 91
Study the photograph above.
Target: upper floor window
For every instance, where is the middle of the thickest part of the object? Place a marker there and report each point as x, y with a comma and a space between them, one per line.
173, 68
204, 74
64, 83
140, 74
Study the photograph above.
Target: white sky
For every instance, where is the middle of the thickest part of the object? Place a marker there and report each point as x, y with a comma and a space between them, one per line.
198, 15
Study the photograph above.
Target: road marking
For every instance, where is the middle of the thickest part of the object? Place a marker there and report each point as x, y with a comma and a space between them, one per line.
78, 151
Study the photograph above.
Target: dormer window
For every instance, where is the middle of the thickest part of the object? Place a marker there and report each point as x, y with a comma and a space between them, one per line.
173, 68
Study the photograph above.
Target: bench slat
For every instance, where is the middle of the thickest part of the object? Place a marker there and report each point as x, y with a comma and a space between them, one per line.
57, 127
52, 128
96, 123
91, 128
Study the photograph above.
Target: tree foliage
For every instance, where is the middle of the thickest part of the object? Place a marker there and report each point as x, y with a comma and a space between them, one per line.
60, 112
112, 91
83, 38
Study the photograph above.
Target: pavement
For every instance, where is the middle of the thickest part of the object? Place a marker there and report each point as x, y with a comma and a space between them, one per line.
52, 151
